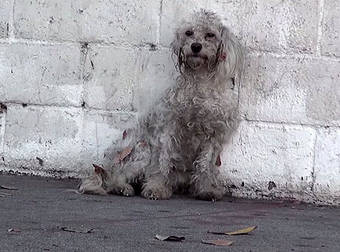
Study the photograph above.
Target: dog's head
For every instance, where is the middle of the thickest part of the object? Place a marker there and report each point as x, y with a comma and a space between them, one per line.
204, 45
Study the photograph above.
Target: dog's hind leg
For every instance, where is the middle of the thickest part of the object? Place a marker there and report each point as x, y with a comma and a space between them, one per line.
122, 174
130, 171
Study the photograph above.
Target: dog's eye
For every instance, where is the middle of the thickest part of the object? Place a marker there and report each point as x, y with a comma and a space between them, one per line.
189, 33
210, 35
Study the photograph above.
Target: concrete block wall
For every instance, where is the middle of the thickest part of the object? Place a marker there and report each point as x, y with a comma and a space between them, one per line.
75, 74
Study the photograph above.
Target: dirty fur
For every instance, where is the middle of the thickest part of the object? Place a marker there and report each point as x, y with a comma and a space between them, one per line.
177, 143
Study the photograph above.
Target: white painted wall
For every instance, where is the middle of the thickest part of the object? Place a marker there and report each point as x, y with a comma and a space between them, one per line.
72, 74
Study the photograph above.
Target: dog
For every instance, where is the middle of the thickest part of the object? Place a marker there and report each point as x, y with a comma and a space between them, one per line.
176, 146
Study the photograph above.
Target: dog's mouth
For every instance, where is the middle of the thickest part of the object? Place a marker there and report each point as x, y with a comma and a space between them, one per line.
196, 61
197, 55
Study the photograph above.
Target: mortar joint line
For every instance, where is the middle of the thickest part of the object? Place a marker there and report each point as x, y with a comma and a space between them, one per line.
292, 124
68, 107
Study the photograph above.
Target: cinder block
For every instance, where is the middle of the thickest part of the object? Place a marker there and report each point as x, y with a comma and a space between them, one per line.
261, 153
40, 74
101, 131
272, 25
173, 13
110, 77
5, 10
43, 140
331, 28
130, 21
2, 129
293, 90
327, 165
156, 72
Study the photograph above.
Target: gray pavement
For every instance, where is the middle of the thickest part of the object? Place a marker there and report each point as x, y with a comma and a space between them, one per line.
42, 213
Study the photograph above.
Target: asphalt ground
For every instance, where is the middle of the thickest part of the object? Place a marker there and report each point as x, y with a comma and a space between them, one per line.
44, 215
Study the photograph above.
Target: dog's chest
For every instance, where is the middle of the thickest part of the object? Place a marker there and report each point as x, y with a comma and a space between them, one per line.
197, 105
201, 111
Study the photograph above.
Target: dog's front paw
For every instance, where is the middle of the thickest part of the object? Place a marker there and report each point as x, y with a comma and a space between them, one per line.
127, 190
207, 189
124, 190
156, 193
212, 195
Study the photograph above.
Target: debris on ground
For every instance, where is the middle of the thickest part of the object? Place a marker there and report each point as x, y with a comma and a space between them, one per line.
2, 194
218, 242
10, 188
13, 230
80, 231
243, 231
170, 238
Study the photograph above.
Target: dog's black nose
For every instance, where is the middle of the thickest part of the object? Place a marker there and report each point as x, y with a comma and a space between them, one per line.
196, 47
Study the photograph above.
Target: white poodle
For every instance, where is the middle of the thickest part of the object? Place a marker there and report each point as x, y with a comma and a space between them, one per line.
176, 146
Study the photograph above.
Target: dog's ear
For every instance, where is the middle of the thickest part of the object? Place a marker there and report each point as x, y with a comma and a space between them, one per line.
94, 184
177, 51
229, 55
100, 171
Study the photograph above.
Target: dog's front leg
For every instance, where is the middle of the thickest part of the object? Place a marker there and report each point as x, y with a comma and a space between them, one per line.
157, 187
157, 183
206, 184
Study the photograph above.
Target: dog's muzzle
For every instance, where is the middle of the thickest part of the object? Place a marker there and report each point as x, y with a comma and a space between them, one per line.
196, 47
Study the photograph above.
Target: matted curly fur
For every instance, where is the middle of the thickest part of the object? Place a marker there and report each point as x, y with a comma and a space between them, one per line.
176, 145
